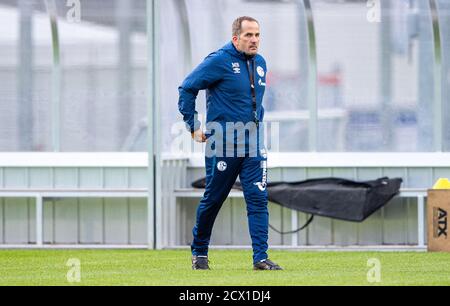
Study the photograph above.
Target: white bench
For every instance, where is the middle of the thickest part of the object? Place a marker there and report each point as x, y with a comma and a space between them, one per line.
40, 194
419, 194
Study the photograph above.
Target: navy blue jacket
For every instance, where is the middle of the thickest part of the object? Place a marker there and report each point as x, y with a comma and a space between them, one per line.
225, 76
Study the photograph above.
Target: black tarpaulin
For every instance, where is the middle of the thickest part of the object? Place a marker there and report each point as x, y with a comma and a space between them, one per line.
336, 198
332, 197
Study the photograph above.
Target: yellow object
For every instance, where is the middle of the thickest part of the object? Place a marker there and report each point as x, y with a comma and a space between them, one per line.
442, 183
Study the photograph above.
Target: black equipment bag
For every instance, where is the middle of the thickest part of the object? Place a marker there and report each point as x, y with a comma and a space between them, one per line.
331, 197
336, 198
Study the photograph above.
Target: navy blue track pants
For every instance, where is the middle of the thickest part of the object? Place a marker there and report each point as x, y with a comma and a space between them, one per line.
221, 174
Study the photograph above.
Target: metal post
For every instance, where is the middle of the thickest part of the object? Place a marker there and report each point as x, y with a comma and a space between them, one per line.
39, 221
312, 79
150, 110
444, 9
294, 226
157, 127
303, 45
430, 110
438, 101
154, 163
124, 75
25, 77
56, 76
386, 75
421, 220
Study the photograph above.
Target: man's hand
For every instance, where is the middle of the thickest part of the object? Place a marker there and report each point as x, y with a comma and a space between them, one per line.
199, 136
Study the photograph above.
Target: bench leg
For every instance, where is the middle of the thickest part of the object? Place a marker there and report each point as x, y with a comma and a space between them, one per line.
39, 221
294, 226
421, 220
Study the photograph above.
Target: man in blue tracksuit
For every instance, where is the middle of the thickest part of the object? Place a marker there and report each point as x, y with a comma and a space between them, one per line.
234, 78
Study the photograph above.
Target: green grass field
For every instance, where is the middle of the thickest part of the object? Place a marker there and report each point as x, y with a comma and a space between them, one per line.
229, 268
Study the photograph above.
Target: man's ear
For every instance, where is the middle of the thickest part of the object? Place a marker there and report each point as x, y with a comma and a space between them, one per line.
234, 39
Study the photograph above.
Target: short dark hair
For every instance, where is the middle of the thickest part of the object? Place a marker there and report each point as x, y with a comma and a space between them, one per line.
237, 24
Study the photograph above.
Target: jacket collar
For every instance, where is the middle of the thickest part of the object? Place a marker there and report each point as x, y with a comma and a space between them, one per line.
231, 49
